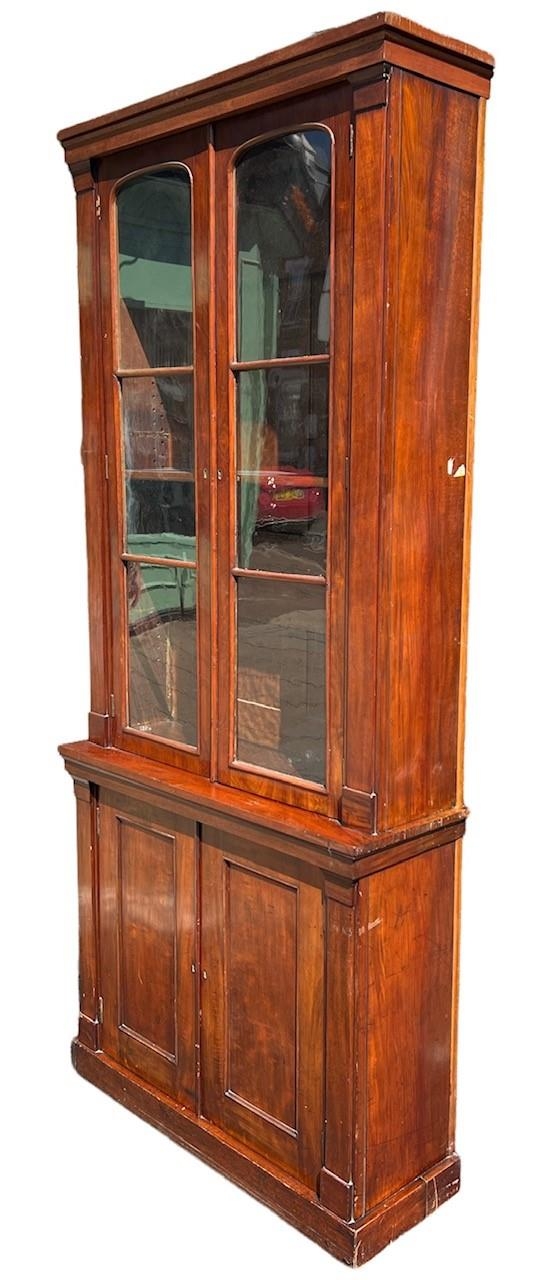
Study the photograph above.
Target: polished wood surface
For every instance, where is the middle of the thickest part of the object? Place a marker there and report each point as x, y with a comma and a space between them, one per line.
268, 962
261, 1002
424, 449
347, 850
89, 959
148, 943
409, 998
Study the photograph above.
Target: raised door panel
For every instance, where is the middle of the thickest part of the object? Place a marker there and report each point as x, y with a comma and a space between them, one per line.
147, 908
262, 1003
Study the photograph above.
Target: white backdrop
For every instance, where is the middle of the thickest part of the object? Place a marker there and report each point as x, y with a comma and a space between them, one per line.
91, 1188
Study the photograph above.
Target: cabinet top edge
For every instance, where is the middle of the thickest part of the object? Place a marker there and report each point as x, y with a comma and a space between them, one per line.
334, 44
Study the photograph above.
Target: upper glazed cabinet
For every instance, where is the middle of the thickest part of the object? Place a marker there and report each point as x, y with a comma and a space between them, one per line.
278, 274
226, 383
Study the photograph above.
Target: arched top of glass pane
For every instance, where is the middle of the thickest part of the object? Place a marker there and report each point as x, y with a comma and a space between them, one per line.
283, 190
155, 269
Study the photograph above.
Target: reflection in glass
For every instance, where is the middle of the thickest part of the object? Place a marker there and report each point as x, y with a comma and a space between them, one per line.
283, 226
158, 423
282, 468
162, 651
155, 269
281, 718
160, 519
159, 458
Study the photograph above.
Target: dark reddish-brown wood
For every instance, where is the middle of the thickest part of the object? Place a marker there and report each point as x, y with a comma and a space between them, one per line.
269, 965
88, 962
148, 943
410, 976
364, 475
424, 449
261, 1000
336, 1188
93, 453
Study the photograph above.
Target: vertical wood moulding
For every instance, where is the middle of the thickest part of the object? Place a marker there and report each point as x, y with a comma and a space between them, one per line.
470, 448
360, 1060
93, 448
88, 964
393, 167
370, 122
336, 1185
456, 942
211, 480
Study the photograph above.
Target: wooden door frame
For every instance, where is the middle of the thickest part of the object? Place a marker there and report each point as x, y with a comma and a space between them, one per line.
188, 149
332, 110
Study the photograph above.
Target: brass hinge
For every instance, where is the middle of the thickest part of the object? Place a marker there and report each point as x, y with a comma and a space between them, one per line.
112, 705
100, 1011
106, 467
347, 473
98, 207
351, 139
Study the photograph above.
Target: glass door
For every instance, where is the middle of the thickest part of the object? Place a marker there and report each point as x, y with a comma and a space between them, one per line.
153, 204
284, 251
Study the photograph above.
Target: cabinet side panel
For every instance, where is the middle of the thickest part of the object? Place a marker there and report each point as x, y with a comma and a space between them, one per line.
424, 452
410, 988
367, 377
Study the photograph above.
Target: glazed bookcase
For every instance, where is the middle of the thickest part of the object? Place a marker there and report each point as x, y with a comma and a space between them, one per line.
278, 278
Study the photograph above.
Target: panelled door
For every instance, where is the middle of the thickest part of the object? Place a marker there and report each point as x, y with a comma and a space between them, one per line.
147, 930
283, 286
262, 1002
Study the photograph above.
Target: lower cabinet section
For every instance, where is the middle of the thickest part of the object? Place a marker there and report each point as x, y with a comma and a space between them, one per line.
230, 979
297, 1018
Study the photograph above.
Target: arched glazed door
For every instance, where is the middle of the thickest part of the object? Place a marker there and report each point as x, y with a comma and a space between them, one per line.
284, 260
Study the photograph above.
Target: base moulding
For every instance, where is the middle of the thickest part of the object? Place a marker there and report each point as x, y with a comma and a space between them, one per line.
352, 1242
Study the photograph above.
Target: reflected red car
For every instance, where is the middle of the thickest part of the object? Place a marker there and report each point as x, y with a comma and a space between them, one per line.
290, 496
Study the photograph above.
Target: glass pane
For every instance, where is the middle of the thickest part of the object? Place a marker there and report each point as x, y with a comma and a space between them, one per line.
155, 270
281, 717
162, 651
283, 224
158, 423
161, 519
282, 469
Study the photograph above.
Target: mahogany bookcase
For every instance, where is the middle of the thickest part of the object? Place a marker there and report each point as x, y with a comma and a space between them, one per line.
278, 277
